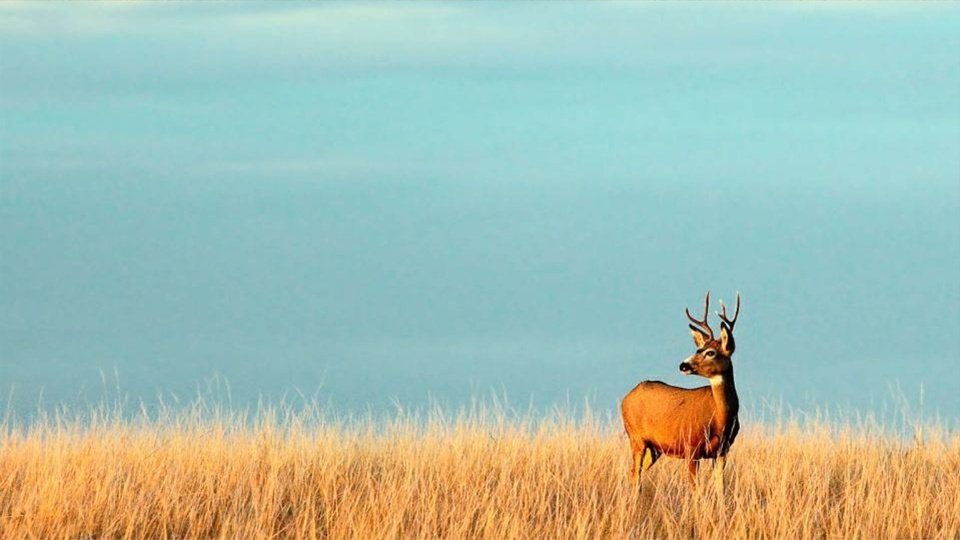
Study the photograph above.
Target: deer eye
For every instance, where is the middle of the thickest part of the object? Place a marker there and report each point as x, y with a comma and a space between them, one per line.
711, 353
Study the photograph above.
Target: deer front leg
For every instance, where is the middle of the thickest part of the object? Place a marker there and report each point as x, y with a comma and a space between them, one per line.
718, 465
693, 466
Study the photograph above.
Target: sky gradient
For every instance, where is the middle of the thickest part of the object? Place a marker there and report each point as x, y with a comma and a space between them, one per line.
387, 201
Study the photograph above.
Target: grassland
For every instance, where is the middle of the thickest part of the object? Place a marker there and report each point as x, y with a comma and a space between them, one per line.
485, 474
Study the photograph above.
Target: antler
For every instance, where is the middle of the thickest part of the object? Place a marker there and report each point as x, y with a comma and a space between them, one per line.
723, 314
706, 310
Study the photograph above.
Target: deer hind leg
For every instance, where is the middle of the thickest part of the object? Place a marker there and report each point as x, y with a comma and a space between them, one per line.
650, 456
639, 450
644, 456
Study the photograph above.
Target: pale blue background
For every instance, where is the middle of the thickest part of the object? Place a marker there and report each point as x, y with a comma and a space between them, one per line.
388, 201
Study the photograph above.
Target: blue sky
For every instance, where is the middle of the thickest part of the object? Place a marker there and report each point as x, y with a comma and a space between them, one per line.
396, 199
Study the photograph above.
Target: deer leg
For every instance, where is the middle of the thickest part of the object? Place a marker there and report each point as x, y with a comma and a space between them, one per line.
650, 456
693, 466
718, 465
639, 451
644, 456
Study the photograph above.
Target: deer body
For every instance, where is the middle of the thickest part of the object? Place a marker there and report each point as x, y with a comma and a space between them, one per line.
687, 423
697, 423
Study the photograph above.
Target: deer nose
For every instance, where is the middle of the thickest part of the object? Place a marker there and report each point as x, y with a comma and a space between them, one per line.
685, 367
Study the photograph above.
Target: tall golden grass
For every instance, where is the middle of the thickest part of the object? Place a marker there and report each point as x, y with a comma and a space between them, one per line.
482, 474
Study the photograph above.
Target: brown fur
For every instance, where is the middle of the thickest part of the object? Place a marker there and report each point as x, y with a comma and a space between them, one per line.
687, 423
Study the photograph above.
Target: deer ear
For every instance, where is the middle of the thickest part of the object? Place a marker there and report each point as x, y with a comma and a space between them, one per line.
726, 339
699, 338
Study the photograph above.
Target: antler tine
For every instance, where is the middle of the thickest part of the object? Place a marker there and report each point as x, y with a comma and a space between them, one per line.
736, 313
706, 311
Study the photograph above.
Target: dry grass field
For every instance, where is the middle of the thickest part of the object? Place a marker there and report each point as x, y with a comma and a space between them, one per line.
485, 474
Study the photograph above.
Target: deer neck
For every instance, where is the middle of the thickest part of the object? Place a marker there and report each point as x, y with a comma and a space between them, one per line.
725, 398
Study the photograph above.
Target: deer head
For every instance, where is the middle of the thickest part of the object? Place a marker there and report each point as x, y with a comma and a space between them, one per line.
712, 357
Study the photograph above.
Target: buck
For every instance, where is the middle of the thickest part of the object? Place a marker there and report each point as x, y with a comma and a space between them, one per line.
688, 423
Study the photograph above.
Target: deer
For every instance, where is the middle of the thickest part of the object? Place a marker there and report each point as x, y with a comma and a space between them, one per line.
688, 423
